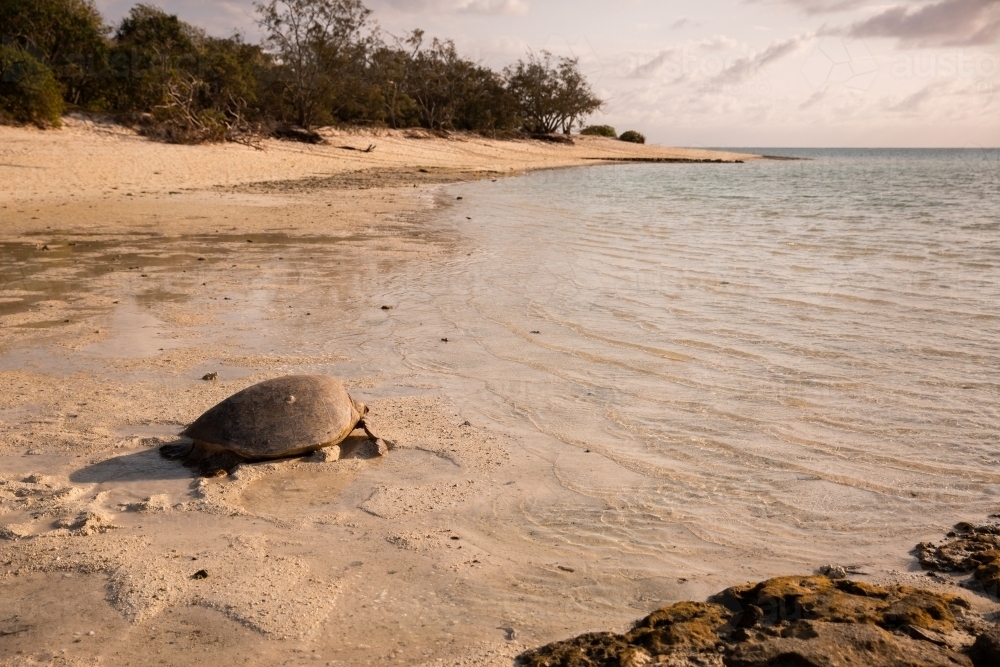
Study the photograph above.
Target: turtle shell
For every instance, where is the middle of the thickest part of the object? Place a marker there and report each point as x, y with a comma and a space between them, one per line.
281, 417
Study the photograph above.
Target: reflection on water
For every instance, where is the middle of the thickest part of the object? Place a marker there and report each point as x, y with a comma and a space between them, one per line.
783, 356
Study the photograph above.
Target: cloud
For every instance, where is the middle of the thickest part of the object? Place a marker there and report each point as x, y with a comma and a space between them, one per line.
913, 102
680, 23
815, 98
718, 43
944, 23
822, 6
744, 68
489, 7
653, 66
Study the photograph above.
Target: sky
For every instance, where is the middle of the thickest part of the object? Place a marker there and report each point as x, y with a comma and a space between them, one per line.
839, 73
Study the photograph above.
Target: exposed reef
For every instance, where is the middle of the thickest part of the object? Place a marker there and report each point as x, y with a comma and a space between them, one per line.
967, 548
800, 621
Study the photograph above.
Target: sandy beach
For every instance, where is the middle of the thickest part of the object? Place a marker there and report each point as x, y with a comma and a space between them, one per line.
120, 255
131, 269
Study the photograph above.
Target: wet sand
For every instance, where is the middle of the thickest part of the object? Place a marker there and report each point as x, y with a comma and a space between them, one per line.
128, 272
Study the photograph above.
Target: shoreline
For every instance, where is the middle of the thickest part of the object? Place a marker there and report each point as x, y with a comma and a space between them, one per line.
127, 269
107, 177
125, 295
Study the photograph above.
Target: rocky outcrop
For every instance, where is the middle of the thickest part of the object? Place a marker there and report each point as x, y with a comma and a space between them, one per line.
810, 621
967, 548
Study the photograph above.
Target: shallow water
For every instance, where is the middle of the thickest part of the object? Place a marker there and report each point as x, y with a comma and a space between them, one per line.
712, 372
795, 360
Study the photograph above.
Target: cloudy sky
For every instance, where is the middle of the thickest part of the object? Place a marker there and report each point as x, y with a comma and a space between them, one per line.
730, 72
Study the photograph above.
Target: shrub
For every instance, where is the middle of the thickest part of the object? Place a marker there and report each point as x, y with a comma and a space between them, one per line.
67, 36
633, 137
600, 131
28, 91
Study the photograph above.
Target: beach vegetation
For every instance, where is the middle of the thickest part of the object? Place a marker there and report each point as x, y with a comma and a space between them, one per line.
315, 43
550, 93
599, 131
320, 63
69, 37
29, 92
177, 84
633, 137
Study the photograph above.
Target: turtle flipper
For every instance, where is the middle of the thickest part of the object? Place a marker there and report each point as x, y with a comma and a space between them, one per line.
382, 446
176, 450
206, 460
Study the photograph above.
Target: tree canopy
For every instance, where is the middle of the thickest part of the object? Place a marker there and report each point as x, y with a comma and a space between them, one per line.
321, 62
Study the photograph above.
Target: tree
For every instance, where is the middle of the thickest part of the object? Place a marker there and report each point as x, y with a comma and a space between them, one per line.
389, 71
151, 51
435, 85
312, 40
484, 103
574, 96
66, 36
436, 88
550, 93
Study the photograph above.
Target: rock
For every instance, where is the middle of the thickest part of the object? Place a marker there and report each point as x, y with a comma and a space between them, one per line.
326, 455
985, 652
833, 571
820, 644
803, 621
200, 574
207, 377
968, 548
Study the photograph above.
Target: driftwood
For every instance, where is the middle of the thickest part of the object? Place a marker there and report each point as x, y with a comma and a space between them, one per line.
290, 132
179, 120
554, 138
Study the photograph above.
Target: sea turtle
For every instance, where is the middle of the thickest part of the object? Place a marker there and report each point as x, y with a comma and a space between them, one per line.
286, 416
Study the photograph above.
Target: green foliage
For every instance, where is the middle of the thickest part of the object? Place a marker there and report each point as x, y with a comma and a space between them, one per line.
600, 131
450, 92
550, 93
29, 92
321, 62
67, 36
633, 137
314, 42
152, 51
181, 85
435, 88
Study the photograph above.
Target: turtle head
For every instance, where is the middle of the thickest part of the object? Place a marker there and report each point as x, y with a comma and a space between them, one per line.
360, 408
